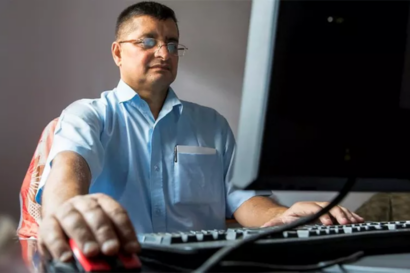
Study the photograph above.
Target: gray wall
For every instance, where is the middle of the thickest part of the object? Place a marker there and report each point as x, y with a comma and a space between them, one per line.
55, 52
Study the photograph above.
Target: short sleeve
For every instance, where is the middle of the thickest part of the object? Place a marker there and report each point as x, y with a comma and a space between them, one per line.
78, 130
234, 196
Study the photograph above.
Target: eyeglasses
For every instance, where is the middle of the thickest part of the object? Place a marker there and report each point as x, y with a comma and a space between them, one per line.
149, 43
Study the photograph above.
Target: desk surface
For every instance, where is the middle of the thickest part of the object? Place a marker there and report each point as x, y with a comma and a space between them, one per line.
376, 264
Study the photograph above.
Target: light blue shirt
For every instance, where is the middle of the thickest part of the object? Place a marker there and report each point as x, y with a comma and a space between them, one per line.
170, 174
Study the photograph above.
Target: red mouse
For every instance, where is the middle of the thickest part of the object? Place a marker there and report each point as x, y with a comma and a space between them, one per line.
118, 263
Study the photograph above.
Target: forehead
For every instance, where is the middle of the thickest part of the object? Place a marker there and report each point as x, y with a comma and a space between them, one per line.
142, 25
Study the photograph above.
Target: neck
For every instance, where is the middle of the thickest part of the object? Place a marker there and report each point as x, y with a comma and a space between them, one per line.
153, 96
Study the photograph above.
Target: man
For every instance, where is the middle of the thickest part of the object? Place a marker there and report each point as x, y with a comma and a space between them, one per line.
139, 159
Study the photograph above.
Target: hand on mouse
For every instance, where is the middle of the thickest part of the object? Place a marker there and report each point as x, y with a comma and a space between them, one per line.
96, 222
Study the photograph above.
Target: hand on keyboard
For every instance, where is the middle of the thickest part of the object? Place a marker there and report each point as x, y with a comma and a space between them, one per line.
339, 214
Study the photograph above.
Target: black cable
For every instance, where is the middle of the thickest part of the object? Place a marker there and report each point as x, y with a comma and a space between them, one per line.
155, 262
297, 268
217, 257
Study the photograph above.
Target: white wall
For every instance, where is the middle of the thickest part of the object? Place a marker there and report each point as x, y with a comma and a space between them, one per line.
55, 52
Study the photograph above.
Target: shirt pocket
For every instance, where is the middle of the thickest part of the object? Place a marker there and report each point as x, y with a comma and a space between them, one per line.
198, 176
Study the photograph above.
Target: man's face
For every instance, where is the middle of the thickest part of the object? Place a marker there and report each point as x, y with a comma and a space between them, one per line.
147, 68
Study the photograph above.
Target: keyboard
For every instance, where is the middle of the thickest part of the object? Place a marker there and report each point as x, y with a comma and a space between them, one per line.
304, 245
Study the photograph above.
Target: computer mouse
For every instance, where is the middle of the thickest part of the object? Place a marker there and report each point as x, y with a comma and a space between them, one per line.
80, 263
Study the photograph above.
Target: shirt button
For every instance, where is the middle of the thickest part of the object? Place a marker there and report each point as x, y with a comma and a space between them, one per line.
158, 211
156, 168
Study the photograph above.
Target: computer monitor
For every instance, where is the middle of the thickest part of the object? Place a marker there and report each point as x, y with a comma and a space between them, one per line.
326, 96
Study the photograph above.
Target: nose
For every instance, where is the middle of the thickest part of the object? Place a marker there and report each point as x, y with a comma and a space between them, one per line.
163, 52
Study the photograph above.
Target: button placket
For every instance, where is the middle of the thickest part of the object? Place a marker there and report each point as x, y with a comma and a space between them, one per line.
157, 195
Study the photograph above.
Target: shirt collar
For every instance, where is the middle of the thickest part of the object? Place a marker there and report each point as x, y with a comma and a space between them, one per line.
171, 100
126, 93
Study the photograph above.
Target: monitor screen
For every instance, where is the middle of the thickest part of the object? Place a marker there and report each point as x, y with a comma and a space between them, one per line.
332, 98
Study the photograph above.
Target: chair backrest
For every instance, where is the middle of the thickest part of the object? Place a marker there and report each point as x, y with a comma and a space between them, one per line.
30, 210
386, 206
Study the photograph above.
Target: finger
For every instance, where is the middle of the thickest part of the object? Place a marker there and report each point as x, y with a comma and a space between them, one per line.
289, 219
121, 222
349, 215
340, 215
53, 242
99, 224
271, 223
358, 218
326, 219
74, 225
42, 249
313, 208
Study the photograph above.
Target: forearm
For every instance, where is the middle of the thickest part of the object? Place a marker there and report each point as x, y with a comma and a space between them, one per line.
69, 177
257, 211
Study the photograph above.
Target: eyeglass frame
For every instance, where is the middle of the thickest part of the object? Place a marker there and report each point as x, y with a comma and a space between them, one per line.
140, 41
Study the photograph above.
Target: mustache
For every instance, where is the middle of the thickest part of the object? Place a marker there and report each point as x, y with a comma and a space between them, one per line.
162, 65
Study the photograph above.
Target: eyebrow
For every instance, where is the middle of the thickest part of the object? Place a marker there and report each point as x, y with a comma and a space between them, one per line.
172, 39
154, 35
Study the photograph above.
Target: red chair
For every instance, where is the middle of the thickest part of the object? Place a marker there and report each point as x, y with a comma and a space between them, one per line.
30, 210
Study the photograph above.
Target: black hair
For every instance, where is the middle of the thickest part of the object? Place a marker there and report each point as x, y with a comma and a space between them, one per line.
151, 8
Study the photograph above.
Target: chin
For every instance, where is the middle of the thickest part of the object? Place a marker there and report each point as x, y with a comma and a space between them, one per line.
160, 83
162, 80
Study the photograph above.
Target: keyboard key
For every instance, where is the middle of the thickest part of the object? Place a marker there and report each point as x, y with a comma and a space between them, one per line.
391, 226
152, 238
356, 229
208, 237
322, 232
347, 230
401, 226
218, 234
290, 234
199, 237
383, 227
307, 233
369, 228
332, 231
231, 235
172, 239
249, 233
188, 237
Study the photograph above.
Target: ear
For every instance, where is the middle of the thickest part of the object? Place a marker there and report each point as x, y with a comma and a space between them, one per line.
116, 53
